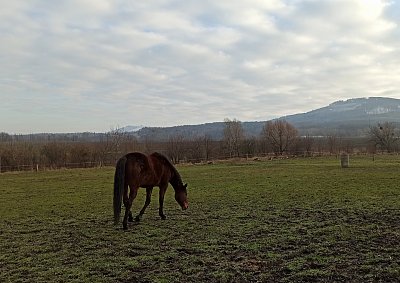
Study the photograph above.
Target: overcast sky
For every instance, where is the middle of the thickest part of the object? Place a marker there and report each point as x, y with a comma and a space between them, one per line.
93, 65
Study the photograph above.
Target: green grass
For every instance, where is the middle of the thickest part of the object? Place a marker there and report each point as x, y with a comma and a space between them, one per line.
299, 220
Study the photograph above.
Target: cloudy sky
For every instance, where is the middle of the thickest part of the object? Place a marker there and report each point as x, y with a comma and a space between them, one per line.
93, 65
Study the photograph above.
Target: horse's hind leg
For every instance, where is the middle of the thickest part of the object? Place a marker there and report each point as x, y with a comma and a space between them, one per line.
128, 204
149, 190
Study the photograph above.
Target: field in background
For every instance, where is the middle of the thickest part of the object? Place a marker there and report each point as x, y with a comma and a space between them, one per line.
298, 220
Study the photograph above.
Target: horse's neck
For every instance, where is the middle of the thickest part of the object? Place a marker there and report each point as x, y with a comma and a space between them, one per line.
176, 178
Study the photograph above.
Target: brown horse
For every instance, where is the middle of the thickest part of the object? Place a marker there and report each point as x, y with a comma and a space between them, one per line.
138, 170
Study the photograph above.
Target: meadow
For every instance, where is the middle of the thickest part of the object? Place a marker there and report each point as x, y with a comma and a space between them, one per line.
294, 220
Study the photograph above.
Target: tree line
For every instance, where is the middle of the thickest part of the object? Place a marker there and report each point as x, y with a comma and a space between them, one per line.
277, 138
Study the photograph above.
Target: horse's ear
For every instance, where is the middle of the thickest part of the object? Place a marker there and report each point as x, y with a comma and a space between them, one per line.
185, 185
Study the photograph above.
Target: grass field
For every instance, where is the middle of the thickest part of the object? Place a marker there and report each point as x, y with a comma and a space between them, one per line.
299, 220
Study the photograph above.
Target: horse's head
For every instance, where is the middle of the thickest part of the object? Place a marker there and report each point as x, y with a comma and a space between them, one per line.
181, 196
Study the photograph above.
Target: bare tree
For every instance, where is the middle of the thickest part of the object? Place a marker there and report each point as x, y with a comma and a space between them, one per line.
195, 148
233, 136
280, 134
347, 146
80, 153
333, 142
104, 148
55, 154
249, 146
130, 143
263, 145
175, 148
384, 136
308, 142
148, 145
207, 146
117, 137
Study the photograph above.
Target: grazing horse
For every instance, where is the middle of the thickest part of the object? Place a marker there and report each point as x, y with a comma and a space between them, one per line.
147, 171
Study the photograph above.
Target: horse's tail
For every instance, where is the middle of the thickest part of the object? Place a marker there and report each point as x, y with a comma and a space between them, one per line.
119, 184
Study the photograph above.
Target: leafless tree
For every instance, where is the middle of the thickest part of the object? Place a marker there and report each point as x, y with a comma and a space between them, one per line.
175, 148
80, 153
207, 146
104, 149
384, 136
308, 142
347, 145
233, 136
280, 134
55, 154
130, 143
148, 145
117, 137
249, 146
333, 142
195, 148
263, 145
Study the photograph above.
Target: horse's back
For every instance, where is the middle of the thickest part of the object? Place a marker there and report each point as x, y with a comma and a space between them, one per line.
160, 159
154, 157
146, 170
137, 166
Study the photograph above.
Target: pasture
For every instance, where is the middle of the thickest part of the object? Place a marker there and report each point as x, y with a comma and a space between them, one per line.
296, 220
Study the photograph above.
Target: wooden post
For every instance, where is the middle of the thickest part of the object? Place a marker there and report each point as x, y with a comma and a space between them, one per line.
344, 160
0, 164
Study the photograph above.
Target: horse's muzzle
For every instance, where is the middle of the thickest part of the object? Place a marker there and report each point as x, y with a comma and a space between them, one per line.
185, 206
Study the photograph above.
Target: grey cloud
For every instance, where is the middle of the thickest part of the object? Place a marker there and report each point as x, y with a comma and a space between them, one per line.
172, 62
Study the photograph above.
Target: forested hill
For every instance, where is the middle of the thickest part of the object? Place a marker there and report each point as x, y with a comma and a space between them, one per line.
352, 117
213, 130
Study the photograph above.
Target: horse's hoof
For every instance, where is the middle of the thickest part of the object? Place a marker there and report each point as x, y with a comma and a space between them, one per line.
130, 219
137, 218
125, 228
163, 217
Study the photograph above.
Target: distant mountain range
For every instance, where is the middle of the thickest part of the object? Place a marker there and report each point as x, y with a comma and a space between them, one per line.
352, 117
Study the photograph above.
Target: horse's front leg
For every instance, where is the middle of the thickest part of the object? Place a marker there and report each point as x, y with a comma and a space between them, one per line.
130, 216
128, 205
149, 190
163, 189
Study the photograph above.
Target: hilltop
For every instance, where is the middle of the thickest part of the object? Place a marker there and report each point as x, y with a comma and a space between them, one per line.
351, 117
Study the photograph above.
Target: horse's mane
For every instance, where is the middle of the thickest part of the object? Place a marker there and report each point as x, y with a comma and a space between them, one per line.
175, 172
